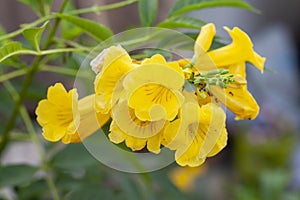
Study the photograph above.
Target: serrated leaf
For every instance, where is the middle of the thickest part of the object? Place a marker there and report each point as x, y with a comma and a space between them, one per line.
184, 6
13, 175
148, 11
11, 49
182, 22
33, 35
98, 31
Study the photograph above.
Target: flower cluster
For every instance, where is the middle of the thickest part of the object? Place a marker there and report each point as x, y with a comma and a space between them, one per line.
154, 103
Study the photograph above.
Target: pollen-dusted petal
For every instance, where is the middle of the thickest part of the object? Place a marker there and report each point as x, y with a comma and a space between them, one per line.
204, 39
240, 50
116, 65
238, 100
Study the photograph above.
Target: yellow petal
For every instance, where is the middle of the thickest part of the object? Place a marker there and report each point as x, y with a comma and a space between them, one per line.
125, 119
204, 39
116, 65
90, 121
153, 89
240, 50
153, 143
239, 100
221, 143
154, 102
135, 143
197, 134
116, 135
212, 125
58, 115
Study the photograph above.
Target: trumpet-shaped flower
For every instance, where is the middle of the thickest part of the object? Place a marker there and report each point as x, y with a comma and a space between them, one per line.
136, 133
65, 118
199, 133
240, 50
115, 65
154, 89
59, 115
236, 97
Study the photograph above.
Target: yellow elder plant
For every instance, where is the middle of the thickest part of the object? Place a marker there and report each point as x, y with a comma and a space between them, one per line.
146, 102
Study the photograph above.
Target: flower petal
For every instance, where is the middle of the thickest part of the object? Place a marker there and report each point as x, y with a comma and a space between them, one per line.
204, 39
239, 100
240, 50
116, 65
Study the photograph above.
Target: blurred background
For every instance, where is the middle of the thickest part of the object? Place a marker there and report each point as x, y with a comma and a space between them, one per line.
262, 158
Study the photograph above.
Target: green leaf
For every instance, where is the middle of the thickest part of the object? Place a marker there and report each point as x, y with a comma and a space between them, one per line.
182, 22
16, 174
73, 156
148, 11
33, 35
98, 31
13, 48
184, 6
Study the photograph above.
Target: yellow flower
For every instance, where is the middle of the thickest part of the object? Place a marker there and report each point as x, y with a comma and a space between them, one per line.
236, 97
240, 50
136, 133
116, 63
65, 118
184, 178
199, 132
59, 115
154, 89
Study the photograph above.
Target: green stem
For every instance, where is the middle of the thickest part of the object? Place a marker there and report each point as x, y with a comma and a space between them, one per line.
27, 82
34, 138
30, 25
11, 75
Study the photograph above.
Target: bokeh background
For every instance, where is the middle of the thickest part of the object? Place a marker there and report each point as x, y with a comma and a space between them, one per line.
262, 158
